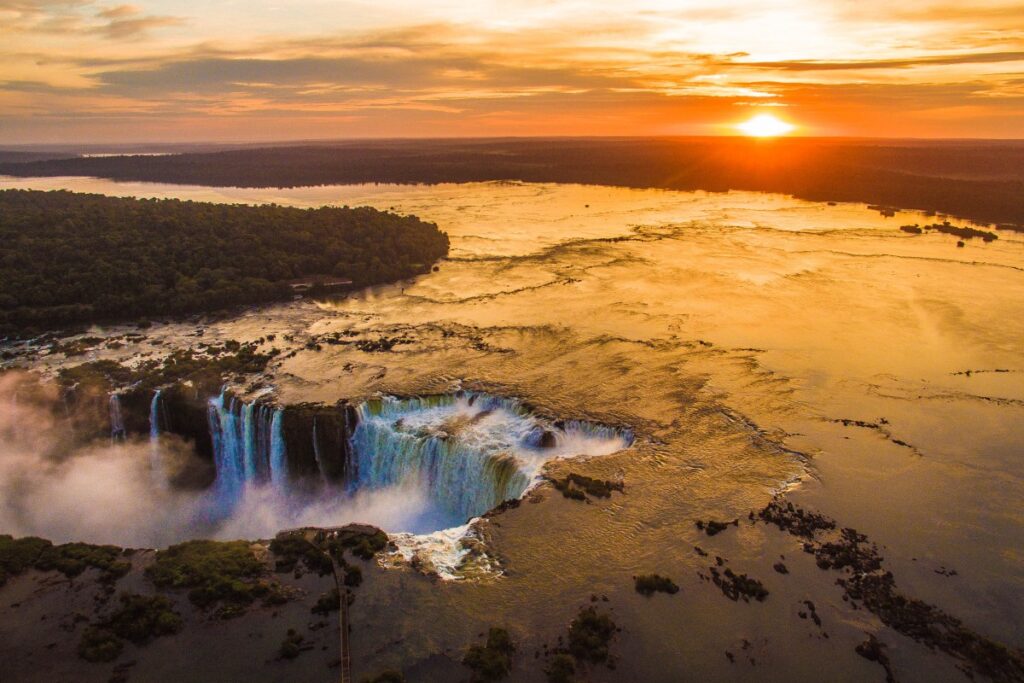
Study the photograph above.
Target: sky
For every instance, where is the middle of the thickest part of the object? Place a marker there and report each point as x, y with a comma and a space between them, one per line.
74, 71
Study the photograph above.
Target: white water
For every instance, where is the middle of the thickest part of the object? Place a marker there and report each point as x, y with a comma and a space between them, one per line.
156, 457
422, 468
469, 452
117, 432
248, 444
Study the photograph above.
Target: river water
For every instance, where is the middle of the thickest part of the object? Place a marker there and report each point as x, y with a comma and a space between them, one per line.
733, 333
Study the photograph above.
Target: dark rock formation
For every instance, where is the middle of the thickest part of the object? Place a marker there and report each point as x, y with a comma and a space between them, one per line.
317, 441
185, 411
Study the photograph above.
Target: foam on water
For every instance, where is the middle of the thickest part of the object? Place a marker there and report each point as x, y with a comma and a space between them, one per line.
458, 455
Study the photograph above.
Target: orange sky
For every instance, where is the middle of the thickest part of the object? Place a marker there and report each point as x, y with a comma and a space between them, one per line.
235, 70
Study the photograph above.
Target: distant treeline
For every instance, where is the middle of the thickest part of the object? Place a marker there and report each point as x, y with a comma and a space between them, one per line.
981, 181
70, 258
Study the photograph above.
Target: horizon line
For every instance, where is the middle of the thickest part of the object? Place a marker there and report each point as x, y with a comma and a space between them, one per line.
15, 146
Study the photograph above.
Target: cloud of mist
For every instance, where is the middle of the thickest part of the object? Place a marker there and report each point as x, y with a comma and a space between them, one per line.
104, 492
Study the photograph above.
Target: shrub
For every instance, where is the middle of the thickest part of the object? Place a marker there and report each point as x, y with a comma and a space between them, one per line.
291, 647
366, 546
17, 555
141, 618
590, 634
71, 559
560, 669
353, 576
648, 584
99, 645
737, 586
493, 661
290, 549
328, 602
213, 570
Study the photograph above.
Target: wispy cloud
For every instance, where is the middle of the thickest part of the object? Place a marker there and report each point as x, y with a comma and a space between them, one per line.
356, 67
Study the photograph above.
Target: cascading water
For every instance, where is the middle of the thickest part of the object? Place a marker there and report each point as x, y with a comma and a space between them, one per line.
278, 460
156, 462
117, 432
469, 452
248, 447
413, 466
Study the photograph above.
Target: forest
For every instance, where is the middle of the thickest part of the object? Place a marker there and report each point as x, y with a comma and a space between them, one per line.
976, 180
70, 258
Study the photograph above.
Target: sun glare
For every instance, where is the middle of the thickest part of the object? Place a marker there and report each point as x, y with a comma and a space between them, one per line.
765, 126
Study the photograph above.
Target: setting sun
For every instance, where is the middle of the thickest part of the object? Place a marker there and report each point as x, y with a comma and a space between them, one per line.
765, 126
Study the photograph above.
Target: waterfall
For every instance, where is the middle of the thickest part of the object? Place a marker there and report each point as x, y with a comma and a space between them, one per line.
466, 452
469, 451
156, 464
278, 462
226, 451
117, 432
248, 446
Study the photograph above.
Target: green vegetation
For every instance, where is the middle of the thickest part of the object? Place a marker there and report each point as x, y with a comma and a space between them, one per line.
649, 584
140, 618
291, 646
978, 181
364, 542
327, 603
71, 559
590, 635
290, 549
560, 669
99, 645
365, 546
493, 661
67, 258
353, 576
214, 571
17, 555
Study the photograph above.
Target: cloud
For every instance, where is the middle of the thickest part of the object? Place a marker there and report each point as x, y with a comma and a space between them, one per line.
119, 12
855, 65
471, 65
80, 17
136, 27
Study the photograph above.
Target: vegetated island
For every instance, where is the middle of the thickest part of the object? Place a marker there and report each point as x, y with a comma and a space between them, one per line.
70, 258
976, 180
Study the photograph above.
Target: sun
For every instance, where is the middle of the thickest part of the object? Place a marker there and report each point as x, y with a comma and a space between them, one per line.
764, 126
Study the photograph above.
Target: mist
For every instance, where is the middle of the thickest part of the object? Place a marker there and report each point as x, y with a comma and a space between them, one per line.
104, 492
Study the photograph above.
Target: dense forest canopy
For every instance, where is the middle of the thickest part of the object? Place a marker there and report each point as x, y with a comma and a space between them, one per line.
67, 257
977, 180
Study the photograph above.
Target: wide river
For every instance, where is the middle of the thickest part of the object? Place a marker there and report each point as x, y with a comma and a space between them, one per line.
735, 333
